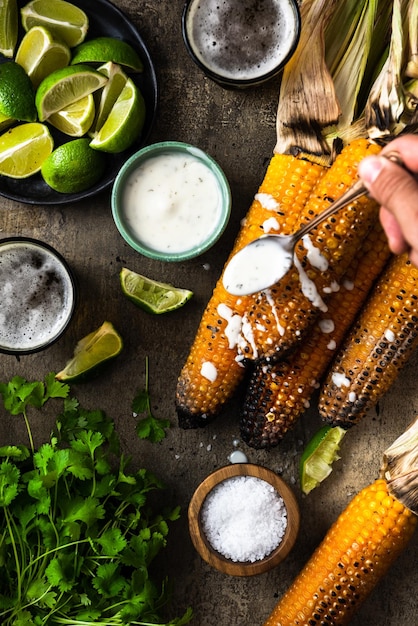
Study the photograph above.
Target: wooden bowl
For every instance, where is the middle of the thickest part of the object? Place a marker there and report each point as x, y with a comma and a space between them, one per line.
212, 556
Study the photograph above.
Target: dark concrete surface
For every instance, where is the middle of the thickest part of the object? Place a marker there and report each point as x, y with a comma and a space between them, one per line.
238, 130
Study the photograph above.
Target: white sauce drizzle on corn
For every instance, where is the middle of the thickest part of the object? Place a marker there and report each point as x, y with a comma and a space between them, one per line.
270, 300
309, 289
270, 224
340, 379
209, 371
233, 324
315, 258
267, 201
389, 335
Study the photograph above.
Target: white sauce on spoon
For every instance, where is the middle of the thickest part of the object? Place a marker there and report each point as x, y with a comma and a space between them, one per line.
256, 267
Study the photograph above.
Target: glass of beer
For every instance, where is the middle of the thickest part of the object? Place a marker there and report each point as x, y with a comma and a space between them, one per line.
37, 295
241, 43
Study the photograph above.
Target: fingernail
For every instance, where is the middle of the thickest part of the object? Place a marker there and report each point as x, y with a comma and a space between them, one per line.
370, 168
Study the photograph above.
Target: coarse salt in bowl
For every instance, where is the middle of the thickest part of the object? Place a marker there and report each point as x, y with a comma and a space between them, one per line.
171, 201
243, 519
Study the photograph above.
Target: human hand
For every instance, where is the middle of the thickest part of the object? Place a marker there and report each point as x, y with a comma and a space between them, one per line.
396, 190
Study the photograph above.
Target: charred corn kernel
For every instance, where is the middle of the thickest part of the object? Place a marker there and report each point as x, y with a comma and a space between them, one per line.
348, 564
377, 347
278, 393
279, 317
213, 369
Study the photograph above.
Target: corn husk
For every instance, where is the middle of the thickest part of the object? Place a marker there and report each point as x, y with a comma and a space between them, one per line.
307, 101
412, 65
386, 102
400, 467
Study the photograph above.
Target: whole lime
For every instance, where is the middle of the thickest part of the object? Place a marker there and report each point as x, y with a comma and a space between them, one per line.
73, 167
17, 96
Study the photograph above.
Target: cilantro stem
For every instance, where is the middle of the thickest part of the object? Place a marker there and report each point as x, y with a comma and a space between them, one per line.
15, 552
28, 428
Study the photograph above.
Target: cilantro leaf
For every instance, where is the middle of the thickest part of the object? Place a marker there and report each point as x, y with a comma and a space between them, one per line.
78, 533
108, 581
9, 483
148, 427
112, 541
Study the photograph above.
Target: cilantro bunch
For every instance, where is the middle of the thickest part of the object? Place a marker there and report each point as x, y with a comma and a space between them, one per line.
78, 534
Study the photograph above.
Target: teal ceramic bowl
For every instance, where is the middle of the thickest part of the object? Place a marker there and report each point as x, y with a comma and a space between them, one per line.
171, 201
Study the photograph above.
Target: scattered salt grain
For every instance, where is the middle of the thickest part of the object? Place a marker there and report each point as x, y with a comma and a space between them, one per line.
244, 518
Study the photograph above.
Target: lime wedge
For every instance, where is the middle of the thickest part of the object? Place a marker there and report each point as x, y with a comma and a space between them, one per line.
17, 97
106, 97
104, 49
73, 166
92, 351
23, 149
318, 456
40, 55
124, 123
9, 19
76, 119
65, 86
150, 295
64, 20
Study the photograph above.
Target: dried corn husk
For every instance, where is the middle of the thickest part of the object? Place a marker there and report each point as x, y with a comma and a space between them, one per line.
400, 467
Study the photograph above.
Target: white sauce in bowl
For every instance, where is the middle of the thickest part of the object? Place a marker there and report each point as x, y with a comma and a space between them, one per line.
172, 202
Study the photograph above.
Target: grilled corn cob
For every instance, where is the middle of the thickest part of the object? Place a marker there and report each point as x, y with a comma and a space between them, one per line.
279, 317
356, 553
377, 347
213, 369
360, 547
279, 393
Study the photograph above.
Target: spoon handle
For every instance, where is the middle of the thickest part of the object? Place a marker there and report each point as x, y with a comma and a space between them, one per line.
353, 193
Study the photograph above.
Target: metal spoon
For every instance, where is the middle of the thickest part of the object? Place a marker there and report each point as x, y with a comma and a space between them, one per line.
264, 261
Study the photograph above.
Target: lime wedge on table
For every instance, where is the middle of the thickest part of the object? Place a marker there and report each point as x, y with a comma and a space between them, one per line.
73, 166
23, 149
92, 351
150, 295
318, 456
124, 123
9, 19
65, 86
40, 55
106, 97
76, 119
64, 20
104, 49
17, 97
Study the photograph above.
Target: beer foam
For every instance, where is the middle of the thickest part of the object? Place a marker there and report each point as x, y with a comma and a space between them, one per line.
36, 296
242, 40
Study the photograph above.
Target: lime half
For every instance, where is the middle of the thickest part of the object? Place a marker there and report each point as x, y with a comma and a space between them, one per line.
150, 295
24, 149
124, 123
63, 19
75, 119
104, 49
319, 455
92, 351
40, 55
64, 87
106, 97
